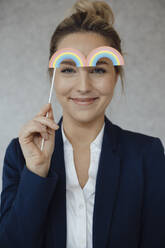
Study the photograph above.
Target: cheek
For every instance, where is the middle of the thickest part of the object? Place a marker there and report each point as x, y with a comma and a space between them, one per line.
61, 87
106, 88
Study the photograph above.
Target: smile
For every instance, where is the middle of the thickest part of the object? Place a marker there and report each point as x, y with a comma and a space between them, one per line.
89, 102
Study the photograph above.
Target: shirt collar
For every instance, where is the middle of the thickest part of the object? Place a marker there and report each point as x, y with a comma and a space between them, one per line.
97, 142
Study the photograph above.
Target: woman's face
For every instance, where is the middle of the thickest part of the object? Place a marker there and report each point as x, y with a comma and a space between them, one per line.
87, 82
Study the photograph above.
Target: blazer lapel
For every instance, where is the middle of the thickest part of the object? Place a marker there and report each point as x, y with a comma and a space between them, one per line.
107, 182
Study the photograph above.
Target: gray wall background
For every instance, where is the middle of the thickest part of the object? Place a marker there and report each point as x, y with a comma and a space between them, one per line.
25, 31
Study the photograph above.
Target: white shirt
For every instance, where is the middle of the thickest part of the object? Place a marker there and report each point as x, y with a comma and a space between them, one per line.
80, 202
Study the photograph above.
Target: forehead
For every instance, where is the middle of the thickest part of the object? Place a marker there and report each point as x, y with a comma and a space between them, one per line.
84, 42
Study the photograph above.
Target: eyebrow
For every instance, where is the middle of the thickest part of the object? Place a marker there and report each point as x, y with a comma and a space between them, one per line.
73, 63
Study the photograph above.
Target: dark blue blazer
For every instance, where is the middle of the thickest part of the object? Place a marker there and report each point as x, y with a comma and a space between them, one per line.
129, 208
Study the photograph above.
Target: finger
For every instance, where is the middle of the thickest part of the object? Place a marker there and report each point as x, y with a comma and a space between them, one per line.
50, 114
44, 131
33, 128
44, 109
47, 122
50, 131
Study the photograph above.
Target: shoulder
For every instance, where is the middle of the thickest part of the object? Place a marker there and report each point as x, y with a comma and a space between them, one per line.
137, 141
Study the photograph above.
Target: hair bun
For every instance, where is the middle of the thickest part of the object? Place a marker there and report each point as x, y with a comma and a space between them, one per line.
98, 8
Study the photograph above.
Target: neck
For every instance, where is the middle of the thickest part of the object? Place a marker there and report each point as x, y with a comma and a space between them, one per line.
81, 134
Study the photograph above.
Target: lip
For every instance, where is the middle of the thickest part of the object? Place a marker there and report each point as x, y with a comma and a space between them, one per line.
84, 101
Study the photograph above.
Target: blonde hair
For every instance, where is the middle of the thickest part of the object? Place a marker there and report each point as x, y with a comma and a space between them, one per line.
85, 16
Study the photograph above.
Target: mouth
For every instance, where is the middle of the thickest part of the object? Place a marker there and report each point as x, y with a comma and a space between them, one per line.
84, 101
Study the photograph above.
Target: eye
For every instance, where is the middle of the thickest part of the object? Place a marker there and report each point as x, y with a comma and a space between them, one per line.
70, 70
99, 70
67, 69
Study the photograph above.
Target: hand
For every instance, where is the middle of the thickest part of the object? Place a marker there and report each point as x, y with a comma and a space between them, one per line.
30, 138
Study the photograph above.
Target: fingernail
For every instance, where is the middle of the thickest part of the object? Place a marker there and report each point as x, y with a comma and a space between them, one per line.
55, 125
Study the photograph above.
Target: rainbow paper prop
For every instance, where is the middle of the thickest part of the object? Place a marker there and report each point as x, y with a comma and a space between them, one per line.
67, 53
104, 52
92, 58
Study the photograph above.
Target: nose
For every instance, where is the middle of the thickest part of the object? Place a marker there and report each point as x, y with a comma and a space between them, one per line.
84, 81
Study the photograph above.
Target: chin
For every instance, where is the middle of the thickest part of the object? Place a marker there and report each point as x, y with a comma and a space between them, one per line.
85, 117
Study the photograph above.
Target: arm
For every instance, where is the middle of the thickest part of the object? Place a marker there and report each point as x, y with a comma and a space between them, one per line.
153, 216
25, 199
